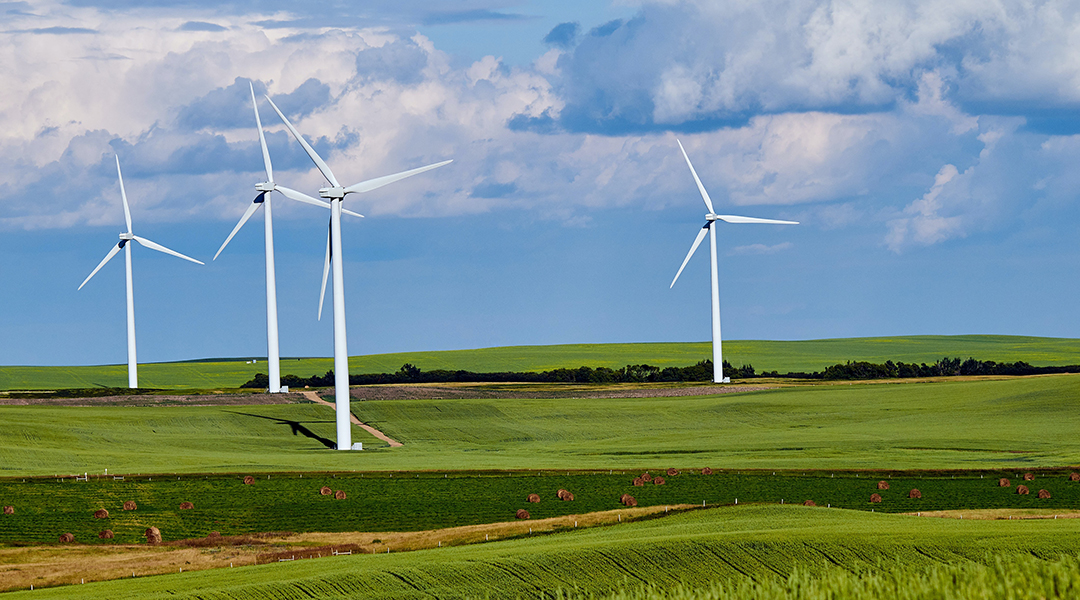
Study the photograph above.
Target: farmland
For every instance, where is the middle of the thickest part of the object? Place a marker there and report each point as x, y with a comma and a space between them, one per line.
783, 356
696, 549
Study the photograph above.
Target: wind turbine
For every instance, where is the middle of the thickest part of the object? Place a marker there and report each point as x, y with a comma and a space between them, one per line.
336, 193
133, 375
273, 355
710, 227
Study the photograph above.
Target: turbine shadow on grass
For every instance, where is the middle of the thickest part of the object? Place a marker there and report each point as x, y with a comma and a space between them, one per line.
297, 428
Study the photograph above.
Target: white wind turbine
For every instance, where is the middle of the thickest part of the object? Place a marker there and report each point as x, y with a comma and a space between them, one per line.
273, 355
133, 375
336, 194
710, 227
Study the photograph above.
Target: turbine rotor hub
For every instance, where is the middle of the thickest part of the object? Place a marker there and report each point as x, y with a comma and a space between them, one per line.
332, 193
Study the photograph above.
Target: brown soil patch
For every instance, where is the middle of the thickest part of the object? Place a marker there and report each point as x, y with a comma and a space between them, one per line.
158, 400
448, 391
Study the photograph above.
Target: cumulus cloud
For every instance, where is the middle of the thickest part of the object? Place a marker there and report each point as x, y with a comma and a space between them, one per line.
760, 249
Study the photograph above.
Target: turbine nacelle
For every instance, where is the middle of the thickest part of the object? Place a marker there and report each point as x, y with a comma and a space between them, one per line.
266, 186
126, 237
332, 193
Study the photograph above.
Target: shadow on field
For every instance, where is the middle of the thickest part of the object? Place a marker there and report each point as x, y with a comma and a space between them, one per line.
297, 428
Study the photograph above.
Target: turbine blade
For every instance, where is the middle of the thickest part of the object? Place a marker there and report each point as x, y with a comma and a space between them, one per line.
123, 195
329, 175
262, 138
325, 272
697, 242
701, 188
378, 182
346, 211
301, 197
254, 206
735, 219
108, 257
160, 248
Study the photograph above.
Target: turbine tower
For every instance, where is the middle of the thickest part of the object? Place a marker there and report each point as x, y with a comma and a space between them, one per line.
273, 356
336, 193
133, 368
710, 228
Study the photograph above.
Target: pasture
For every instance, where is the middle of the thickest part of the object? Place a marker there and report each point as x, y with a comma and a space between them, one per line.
727, 545
782, 356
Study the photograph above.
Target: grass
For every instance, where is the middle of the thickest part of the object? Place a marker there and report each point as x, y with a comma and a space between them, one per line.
726, 546
964, 424
783, 356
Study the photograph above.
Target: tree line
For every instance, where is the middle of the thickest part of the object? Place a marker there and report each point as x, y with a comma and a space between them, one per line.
702, 371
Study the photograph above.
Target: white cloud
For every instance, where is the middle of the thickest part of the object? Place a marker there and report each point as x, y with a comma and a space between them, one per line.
760, 249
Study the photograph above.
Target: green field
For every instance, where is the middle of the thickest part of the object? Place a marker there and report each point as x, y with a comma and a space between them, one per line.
782, 356
1013, 423
695, 549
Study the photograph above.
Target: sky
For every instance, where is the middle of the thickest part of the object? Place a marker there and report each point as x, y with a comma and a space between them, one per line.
927, 149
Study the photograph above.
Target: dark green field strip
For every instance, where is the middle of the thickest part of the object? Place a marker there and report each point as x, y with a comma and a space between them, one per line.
45, 508
693, 549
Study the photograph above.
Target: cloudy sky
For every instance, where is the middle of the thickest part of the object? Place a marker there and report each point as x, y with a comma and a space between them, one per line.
929, 150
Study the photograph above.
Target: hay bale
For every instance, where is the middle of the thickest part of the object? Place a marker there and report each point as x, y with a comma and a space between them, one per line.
629, 501
706, 471
153, 535
561, 492
1074, 476
1029, 476
130, 505
658, 480
1044, 494
522, 513
339, 495
325, 491
565, 495
1003, 482
106, 534
248, 480
9, 510
1022, 490
101, 513
638, 482
622, 499
914, 493
66, 538
672, 472
809, 503
646, 477
875, 498
213, 535
186, 506
883, 485
534, 498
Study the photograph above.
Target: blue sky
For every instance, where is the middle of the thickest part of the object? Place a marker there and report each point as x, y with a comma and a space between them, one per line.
928, 150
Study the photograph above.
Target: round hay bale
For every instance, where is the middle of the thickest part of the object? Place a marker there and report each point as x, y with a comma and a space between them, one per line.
66, 538
883, 485
153, 535
875, 498
339, 495
1044, 494
1029, 476
566, 496
638, 482
561, 493
101, 513
534, 498
9, 510
130, 505
186, 506
672, 472
914, 493
809, 503
107, 534
1022, 490
622, 499
629, 501
1003, 482
325, 491
658, 480
1074, 476
522, 513
706, 471
248, 480
646, 477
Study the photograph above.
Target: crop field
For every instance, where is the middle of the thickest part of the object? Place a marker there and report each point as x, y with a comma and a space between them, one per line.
783, 356
1017, 423
729, 545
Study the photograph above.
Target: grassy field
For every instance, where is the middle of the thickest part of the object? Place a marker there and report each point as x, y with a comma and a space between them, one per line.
783, 356
696, 549
955, 424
